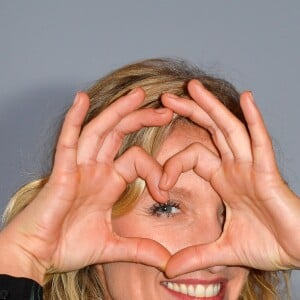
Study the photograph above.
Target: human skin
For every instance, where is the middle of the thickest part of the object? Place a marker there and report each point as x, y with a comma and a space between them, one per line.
246, 176
43, 236
194, 215
73, 210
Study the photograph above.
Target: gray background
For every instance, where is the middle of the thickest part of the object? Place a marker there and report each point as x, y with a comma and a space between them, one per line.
51, 49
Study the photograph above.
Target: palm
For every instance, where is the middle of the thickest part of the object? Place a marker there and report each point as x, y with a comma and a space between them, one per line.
243, 171
68, 225
248, 194
88, 220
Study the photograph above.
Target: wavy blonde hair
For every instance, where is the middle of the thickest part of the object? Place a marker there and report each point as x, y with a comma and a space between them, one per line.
155, 76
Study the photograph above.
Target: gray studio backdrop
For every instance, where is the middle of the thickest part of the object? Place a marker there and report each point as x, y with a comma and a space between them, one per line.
51, 49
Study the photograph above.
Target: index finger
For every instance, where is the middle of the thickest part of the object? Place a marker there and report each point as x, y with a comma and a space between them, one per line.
96, 130
232, 128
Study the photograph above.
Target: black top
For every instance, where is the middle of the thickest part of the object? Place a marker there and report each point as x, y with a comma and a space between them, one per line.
18, 288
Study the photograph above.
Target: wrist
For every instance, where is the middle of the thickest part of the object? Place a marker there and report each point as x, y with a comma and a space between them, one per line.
288, 229
16, 261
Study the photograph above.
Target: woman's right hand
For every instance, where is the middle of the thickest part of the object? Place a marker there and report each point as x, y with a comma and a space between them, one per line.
68, 225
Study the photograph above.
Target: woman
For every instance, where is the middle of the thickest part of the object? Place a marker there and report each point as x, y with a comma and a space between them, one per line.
162, 187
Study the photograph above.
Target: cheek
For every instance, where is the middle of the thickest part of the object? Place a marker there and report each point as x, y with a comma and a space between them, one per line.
174, 233
161, 231
128, 280
166, 231
238, 277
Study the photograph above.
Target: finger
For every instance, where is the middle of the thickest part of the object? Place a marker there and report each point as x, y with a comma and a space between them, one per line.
263, 154
232, 128
138, 250
190, 109
66, 149
195, 157
95, 131
133, 122
200, 257
136, 162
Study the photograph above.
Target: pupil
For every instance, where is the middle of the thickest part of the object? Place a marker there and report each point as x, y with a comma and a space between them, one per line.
167, 208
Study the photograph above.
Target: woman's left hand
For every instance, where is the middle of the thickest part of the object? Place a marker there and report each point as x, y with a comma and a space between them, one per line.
262, 226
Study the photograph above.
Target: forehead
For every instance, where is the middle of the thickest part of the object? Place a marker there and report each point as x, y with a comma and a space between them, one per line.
181, 136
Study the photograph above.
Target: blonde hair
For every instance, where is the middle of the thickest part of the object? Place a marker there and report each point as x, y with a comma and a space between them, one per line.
155, 76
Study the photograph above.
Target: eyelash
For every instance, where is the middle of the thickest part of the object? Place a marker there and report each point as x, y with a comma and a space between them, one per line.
160, 209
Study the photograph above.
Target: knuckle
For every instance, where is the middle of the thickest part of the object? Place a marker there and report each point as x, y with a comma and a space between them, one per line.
137, 150
213, 130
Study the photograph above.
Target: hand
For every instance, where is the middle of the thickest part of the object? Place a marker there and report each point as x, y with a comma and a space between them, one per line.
68, 225
262, 214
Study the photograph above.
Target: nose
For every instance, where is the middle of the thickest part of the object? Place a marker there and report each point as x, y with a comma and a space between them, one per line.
216, 269
204, 229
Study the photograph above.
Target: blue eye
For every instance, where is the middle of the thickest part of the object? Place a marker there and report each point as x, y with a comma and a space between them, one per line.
167, 209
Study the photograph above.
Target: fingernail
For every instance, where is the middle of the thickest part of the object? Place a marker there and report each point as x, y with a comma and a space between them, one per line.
133, 91
164, 194
77, 97
163, 266
164, 180
162, 110
172, 96
251, 96
198, 82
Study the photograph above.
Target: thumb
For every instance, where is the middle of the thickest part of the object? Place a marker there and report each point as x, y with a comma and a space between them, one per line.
138, 250
200, 257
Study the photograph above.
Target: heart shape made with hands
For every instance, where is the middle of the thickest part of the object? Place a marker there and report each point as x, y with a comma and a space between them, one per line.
244, 174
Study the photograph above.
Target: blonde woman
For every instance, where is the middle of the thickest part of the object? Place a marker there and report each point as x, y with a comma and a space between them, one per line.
164, 186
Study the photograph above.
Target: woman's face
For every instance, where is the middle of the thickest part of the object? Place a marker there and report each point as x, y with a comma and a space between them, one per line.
193, 215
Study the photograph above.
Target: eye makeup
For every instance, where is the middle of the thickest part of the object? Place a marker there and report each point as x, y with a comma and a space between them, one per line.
167, 209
